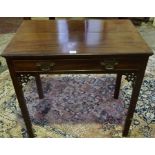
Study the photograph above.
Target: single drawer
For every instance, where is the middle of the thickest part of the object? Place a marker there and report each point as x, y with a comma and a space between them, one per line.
64, 65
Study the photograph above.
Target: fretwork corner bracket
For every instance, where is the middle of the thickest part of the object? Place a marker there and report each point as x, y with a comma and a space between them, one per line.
23, 79
131, 77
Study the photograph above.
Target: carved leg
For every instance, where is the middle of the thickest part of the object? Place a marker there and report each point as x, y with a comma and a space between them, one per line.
117, 86
137, 81
39, 86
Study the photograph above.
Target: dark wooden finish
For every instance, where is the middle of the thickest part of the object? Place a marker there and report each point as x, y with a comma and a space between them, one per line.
89, 37
51, 18
60, 65
89, 46
117, 86
134, 98
21, 100
29, 18
39, 86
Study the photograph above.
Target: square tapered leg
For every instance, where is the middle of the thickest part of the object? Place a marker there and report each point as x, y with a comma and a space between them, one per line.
39, 86
117, 86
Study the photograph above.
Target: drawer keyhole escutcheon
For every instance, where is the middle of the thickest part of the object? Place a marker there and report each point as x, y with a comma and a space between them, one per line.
45, 66
109, 64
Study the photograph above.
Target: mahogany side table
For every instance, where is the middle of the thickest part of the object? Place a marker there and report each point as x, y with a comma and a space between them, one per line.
77, 47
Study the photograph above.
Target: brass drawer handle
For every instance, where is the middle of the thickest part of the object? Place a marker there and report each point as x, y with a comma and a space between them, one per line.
45, 66
109, 64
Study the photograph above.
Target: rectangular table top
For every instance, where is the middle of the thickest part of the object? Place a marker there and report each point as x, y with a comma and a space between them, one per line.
77, 37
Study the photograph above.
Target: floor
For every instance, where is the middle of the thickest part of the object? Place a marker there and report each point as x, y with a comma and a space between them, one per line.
9, 24
87, 108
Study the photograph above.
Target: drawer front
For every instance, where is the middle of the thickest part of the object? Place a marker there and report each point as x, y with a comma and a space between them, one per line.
75, 65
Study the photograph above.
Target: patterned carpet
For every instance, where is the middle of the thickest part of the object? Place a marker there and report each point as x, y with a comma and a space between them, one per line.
80, 105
